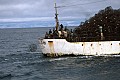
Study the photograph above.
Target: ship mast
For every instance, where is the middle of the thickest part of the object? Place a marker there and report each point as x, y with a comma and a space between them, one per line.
56, 17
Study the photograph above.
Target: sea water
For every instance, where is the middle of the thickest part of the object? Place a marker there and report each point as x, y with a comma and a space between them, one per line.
18, 62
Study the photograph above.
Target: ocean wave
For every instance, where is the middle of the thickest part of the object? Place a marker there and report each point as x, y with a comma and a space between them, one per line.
2, 76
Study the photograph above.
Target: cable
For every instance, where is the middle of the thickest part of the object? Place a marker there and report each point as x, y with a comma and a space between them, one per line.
81, 4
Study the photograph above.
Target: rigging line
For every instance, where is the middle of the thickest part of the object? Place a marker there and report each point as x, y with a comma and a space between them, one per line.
81, 4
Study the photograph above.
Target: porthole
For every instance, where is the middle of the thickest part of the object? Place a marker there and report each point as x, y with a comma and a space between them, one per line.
82, 44
91, 44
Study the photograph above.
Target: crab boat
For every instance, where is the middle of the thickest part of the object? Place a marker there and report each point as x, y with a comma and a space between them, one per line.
64, 42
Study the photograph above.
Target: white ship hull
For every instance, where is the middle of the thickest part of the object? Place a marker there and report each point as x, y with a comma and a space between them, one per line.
60, 47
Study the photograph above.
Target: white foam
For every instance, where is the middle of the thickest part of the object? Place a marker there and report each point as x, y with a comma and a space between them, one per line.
58, 59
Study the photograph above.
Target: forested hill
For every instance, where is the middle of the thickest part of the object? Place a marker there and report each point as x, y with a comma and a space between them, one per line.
108, 19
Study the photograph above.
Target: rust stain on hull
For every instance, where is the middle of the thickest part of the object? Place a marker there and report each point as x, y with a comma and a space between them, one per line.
51, 46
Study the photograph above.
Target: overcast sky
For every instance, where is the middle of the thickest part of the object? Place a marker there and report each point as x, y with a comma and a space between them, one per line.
43, 10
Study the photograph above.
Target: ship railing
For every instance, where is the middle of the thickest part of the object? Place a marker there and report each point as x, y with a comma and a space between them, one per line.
89, 39
114, 38
78, 39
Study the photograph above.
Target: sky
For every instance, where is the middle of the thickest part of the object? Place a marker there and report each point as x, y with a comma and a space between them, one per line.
71, 12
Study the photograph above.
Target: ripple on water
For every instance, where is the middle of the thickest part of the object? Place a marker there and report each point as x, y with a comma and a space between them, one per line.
6, 76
